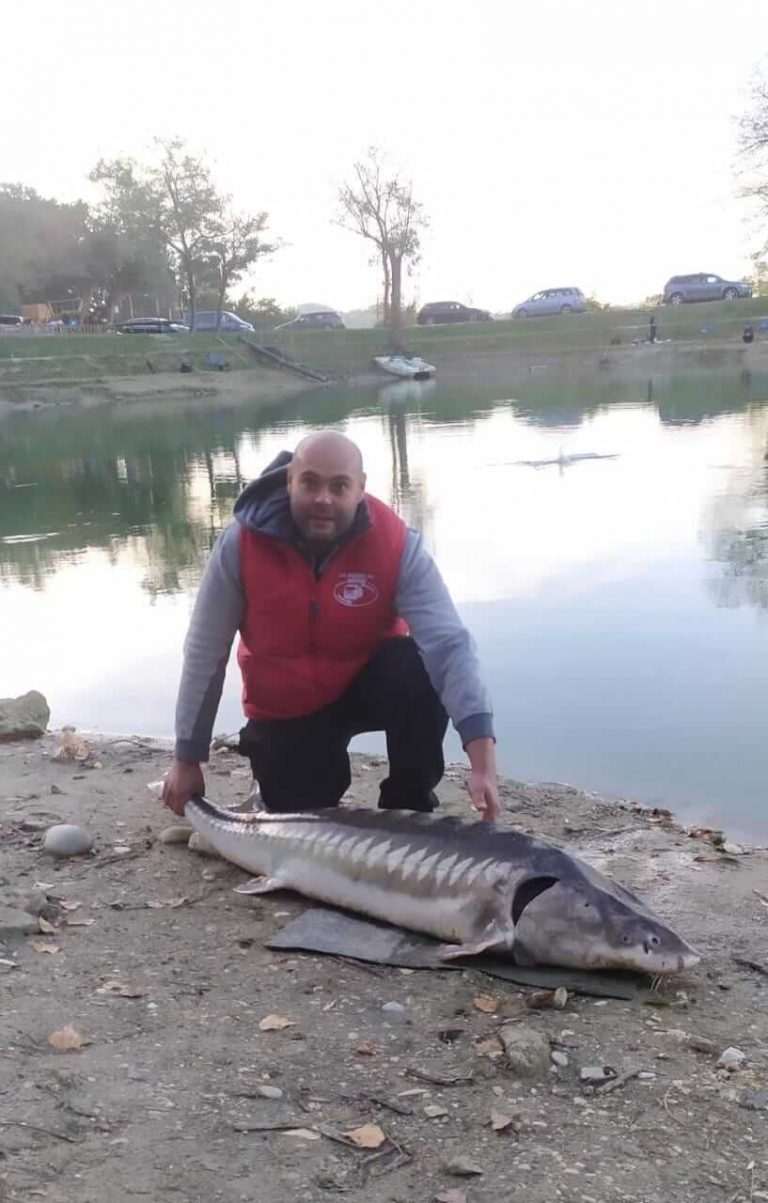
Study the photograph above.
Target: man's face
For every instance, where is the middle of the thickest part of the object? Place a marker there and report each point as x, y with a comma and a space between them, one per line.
325, 486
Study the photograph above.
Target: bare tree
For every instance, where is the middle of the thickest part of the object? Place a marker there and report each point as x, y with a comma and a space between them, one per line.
381, 209
187, 210
234, 246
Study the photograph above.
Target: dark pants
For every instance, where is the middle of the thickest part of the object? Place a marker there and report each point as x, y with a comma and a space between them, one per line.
302, 763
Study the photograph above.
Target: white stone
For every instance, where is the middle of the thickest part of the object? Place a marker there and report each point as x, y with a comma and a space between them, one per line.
67, 839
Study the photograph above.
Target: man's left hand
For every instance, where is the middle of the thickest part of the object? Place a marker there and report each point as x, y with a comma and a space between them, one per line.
482, 785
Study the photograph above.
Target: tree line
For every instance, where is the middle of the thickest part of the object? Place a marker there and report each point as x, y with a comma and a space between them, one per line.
162, 228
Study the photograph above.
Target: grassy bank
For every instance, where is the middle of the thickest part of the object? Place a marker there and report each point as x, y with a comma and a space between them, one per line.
73, 359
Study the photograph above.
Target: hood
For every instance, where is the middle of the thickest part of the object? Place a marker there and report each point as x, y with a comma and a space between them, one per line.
264, 506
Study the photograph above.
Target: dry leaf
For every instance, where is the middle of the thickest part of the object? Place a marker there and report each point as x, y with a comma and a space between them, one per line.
454, 1194
67, 1040
41, 946
169, 903
79, 922
303, 1133
275, 1023
485, 1003
69, 904
116, 986
489, 1047
366, 1049
369, 1136
45, 926
499, 1121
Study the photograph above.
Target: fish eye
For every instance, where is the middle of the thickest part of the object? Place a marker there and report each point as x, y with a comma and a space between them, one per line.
654, 941
625, 939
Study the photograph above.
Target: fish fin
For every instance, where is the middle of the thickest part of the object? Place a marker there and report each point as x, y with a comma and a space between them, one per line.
500, 940
260, 885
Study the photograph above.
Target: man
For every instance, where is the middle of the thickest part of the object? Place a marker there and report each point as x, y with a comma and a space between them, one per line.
345, 626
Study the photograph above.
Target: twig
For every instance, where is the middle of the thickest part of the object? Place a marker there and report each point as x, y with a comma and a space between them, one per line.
750, 964
118, 857
22, 1123
615, 1083
285, 1127
380, 1100
440, 1079
669, 1112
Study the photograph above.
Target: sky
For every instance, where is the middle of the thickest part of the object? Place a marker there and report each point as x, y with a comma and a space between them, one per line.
587, 143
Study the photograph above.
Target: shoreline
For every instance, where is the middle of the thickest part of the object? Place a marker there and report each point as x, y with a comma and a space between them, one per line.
188, 1028
458, 361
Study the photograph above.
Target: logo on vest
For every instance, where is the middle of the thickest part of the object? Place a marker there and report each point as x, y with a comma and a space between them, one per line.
355, 589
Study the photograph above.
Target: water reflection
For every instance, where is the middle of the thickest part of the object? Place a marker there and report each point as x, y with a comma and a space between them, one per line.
613, 602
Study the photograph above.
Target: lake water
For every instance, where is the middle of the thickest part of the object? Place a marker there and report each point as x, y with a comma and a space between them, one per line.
619, 603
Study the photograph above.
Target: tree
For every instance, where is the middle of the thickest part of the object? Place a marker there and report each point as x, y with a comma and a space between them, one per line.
174, 203
124, 248
381, 209
753, 147
263, 311
235, 244
185, 209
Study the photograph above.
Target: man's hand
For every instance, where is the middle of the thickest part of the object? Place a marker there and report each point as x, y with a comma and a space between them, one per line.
482, 785
185, 778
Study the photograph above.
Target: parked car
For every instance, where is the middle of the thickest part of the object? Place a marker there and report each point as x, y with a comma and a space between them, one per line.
320, 319
205, 319
11, 319
703, 286
438, 313
152, 325
552, 300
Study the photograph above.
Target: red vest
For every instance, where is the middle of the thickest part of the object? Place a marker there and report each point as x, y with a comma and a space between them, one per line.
303, 640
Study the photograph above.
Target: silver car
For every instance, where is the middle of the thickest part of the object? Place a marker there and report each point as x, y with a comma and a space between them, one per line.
703, 286
552, 300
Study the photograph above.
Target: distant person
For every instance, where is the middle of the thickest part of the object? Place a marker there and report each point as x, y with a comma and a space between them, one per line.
345, 626
748, 334
653, 332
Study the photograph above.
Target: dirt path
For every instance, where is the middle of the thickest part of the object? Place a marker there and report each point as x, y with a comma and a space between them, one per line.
163, 971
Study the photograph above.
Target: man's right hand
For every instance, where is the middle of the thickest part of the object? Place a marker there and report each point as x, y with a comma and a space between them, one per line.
184, 779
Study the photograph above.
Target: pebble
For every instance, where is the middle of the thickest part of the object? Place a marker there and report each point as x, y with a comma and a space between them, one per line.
646, 1076
178, 834
269, 1092
15, 922
198, 844
559, 1058
394, 1008
731, 1059
594, 1074
702, 1045
435, 1111
754, 1100
463, 1167
526, 1049
67, 839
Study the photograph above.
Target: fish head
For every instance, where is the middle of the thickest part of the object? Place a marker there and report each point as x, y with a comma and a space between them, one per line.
576, 925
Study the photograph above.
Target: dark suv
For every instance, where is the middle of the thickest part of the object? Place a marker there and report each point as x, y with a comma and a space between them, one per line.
440, 312
703, 287
317, 319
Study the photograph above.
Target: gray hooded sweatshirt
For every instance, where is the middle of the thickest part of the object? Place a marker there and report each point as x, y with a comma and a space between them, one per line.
421, 598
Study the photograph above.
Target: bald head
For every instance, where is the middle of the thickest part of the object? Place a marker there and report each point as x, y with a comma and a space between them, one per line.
325, 485
331, 448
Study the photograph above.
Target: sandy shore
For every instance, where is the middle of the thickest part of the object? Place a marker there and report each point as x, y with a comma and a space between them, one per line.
163, 973
252, 385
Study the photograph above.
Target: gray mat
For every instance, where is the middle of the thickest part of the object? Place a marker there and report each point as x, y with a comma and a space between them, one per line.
335, 933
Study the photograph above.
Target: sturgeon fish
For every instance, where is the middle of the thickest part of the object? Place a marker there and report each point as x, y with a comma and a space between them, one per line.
476, 886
